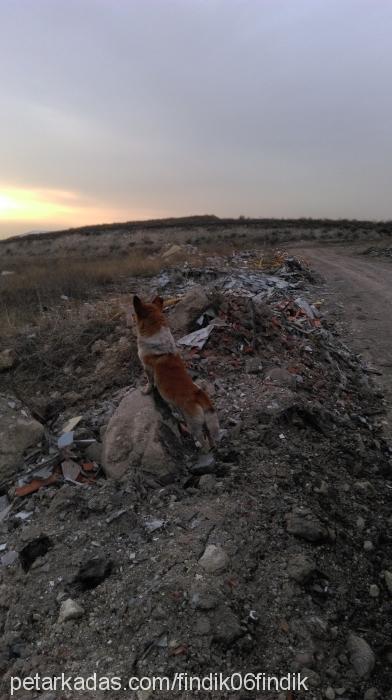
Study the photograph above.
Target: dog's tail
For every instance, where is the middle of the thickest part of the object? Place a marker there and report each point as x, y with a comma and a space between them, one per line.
211, 421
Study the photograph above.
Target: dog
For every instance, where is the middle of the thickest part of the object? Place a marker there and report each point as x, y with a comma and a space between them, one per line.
166, 371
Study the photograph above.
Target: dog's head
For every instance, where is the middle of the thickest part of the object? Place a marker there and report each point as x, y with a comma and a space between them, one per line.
149, 315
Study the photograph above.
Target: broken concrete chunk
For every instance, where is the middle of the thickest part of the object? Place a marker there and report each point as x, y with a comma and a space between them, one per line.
142, 440
214, 559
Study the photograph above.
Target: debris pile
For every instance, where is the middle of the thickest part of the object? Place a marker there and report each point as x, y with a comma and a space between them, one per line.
271, 554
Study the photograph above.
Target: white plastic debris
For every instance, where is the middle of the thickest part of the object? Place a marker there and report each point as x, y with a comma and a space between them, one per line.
65, 440
71, 424
197, 339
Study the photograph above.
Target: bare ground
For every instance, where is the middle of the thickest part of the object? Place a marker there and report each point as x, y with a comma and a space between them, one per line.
359, 293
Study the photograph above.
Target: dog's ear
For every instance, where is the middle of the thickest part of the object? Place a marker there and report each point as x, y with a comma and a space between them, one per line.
139, 307
158, 301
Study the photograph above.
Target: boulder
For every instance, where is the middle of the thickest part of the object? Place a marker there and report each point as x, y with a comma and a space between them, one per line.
188, 310
142, 437
18, 431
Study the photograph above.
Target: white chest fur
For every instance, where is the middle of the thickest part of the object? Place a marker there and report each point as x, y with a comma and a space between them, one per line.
161, 343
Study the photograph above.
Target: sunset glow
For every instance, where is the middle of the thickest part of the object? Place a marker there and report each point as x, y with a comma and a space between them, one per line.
19, 204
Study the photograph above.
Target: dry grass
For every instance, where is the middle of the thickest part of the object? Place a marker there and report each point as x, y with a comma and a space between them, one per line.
37, 287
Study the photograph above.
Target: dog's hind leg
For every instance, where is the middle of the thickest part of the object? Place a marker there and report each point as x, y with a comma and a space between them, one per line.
195, 421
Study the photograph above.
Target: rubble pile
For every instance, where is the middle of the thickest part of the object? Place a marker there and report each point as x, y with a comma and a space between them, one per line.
272, 554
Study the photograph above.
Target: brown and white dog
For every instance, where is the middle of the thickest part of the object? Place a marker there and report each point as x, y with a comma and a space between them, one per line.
167, 372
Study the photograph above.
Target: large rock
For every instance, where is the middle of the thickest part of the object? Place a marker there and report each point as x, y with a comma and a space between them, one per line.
18, 432
141, 437
188, 310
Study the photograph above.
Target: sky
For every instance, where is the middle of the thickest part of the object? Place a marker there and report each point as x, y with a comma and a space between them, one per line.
113, 110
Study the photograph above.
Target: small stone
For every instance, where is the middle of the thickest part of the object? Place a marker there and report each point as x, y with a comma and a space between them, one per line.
281, 377
207, 482
313, 677
362, 656
202, 626
300, 568
7, 360
388, 580
374, 591
202, 600
9, 558
360, 523
368, 546
306, 526
214, 559
330, 693
304, 658
371, 694
253, 365
227, 627
70, 610
94, 452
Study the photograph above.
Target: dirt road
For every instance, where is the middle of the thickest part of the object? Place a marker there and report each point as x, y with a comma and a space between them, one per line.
360, 287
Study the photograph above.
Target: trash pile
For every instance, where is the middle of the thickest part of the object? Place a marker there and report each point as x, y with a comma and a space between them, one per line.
272, 554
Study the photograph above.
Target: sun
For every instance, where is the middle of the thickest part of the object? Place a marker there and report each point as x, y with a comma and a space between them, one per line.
7, 205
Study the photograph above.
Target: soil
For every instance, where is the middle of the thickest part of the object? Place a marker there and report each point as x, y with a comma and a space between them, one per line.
359, 292
297, 496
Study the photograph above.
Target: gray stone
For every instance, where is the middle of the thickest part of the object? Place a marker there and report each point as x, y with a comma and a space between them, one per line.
300, 568
207, 482
70, 610
371, 694
313, 677
204, 600
214, 559
281, 377
368, 545
202, 626
94, 452
306, 526
388, 580
9, 558
188, 309
304, 659
374, 591
139, 438
362, 657
330, 693
253, 365
18, 431
226, 627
